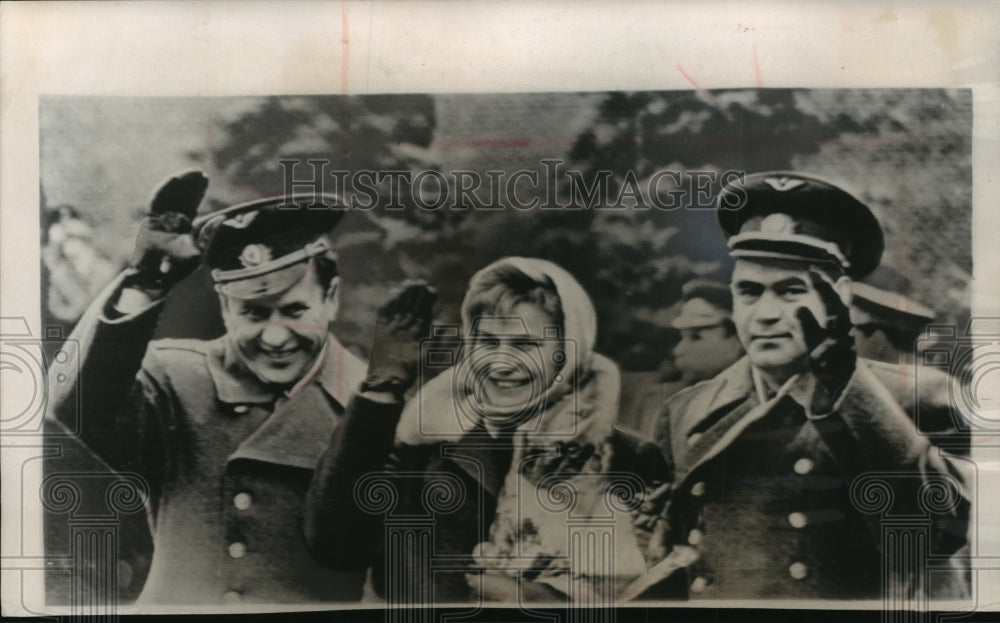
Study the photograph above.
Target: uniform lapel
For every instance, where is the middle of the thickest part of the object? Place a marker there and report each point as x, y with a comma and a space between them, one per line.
298, 431
717, 418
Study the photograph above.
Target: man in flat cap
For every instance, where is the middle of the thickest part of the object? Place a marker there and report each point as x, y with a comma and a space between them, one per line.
787, 464
708, 345
226, 433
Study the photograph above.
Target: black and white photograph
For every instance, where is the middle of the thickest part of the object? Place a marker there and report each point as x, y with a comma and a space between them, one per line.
561, 351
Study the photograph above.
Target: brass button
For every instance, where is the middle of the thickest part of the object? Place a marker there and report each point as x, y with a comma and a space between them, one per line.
232, 597
798, 571
695, 537
798, 520
241, 409
242, 501
237, 549
698, 489
803, 466
699, 584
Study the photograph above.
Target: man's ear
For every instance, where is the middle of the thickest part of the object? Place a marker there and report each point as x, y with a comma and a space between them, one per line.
332, 296
844, 289
224, 309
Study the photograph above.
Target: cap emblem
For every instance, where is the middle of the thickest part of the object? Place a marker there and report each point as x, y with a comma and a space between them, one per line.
782, 184
777, 223
241, 221
254, 255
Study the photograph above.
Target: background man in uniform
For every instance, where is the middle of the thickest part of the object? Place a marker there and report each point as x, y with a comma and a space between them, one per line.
765, 455
708, 345
887, 325
887, 321
225, 433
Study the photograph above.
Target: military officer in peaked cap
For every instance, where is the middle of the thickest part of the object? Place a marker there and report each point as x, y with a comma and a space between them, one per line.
888, 324
776, 459
708, 345
226, 433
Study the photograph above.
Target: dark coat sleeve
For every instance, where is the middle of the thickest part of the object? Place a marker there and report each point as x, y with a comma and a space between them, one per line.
101, 391
896, 472
339, 531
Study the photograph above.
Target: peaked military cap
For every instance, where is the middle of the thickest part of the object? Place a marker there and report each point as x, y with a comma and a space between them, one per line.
882, 298
266, 246
706, 304
786, 215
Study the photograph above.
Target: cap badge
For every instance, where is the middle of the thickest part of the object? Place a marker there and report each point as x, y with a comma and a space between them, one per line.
777, 223
254, 255
242, 220
782, 184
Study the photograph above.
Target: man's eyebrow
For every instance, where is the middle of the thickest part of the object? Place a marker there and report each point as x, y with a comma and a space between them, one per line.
791, 281
746, 283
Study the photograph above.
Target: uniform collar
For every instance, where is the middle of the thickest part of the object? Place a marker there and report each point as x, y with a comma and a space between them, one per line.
716, 416
734, 384
297, 432
799, 388
739, 400
339, 373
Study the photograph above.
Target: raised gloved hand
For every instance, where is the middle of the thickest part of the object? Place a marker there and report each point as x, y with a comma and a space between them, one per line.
402, 323
832, 355
165, 250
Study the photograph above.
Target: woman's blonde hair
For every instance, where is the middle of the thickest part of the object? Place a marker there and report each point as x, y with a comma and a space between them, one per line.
503, 289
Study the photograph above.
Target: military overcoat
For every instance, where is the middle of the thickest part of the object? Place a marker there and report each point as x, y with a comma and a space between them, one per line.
776, 503
226, 462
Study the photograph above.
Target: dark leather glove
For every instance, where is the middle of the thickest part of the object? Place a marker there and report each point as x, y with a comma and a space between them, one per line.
165, 250
402, 323
832, 356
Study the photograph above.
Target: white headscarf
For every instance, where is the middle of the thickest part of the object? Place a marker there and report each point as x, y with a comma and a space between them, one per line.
446, 407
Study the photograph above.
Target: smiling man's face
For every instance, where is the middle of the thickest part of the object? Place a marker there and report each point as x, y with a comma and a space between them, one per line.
766, 295
279, 337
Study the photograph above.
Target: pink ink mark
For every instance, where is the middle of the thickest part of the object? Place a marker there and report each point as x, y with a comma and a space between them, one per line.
506, 143
157, 509
702, 92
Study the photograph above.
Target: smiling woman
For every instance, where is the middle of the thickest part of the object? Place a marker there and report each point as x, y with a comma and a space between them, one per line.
524, 418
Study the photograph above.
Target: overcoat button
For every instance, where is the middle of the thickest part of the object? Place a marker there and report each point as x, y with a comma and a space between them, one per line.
242, 501
695, 536
698, 489
798, 520
798, 570
237, 549
803, 466
241, 409
698, 584
232, 597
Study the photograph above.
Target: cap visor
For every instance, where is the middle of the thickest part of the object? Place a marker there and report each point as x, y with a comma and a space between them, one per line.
268, 284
